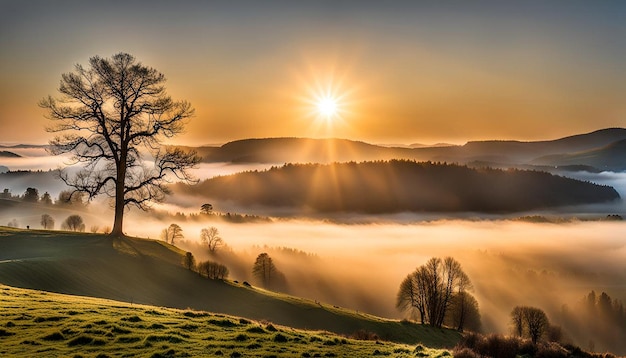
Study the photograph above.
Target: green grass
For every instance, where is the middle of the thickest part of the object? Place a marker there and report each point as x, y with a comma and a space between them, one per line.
37, 323
150, 272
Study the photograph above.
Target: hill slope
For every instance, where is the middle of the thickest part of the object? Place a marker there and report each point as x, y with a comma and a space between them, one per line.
36, 323
610, 157
397, 186
149, 272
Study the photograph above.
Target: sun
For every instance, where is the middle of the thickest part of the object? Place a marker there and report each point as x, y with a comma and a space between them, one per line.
327, 106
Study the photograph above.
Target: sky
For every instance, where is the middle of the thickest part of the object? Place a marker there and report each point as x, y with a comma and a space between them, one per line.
400, 72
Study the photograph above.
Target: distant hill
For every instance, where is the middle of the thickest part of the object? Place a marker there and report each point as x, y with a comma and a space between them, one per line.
307, 150
399, 186
611, 157
150, 272
301, 150
24, 146
7, 154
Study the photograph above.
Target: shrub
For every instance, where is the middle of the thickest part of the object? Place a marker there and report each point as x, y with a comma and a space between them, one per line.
80, 341
364, 335
56, 336
280, 338
465, 353
193, 314
241, 337
255, 329
131, 319
222, 322
5, 333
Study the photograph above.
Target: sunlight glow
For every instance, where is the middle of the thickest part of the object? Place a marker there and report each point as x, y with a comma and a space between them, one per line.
327, 106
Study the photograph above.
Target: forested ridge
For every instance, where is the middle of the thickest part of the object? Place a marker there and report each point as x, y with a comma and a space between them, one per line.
401, 185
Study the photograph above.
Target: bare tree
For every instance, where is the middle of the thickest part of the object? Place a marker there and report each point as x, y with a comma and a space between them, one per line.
47, 222
211, 239
189, 261
430, 287
531, 321
463, 312
264, 269
517, 320
536, 322
73, 223
172, 233
109, 114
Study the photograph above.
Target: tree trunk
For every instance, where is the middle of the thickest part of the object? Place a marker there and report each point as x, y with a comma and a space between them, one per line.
119, 199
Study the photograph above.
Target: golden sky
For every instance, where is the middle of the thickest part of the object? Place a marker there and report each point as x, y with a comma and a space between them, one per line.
406, 72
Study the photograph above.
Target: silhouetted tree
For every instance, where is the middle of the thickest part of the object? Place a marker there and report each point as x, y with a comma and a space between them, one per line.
463, 312
189, 261
46, 199
264, 269
206, 208
13, 223
211, 239
430, 287
172, 233
73, 223
517, 320
47, 222
31, 195
110, 113
535, 323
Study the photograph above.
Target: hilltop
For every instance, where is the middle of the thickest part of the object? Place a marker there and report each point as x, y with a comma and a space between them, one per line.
150, 272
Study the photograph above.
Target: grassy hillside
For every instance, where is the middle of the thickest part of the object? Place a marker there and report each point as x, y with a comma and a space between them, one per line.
150, 272
37, 323
400, 186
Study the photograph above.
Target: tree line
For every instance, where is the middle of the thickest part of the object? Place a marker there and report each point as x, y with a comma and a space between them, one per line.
400, 185
65, 198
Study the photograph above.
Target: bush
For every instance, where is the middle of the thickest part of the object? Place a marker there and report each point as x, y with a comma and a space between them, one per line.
280, 338
255, 329
56, 336
364, 335
465, 353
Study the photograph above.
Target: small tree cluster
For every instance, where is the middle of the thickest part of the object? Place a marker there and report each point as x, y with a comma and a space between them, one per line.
73, 223
213, 270
430, 289
530, 322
